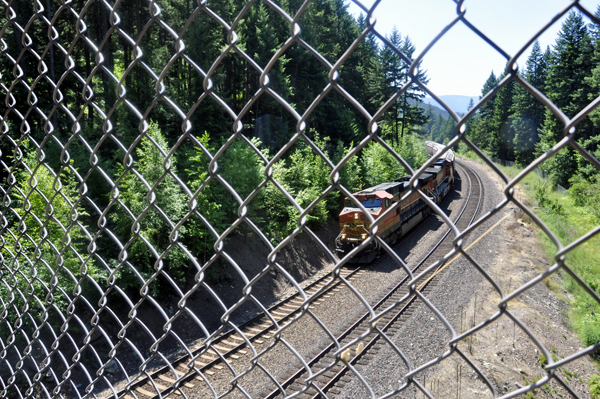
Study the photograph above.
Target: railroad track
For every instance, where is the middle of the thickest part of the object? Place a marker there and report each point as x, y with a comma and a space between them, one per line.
178, 376
327, 373
230, 345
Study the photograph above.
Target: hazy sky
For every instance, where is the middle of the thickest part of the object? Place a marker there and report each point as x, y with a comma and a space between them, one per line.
461, 61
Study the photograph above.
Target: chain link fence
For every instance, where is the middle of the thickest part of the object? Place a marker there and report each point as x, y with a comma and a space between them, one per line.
99, 288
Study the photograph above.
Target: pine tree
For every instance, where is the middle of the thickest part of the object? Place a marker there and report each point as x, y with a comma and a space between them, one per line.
405, 111
395, 71
501, 140
593, 144
412, 113
527, 112
570, 63
481, 124
436, 129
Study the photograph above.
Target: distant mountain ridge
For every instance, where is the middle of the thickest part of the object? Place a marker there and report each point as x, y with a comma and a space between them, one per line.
458, 103
435, 108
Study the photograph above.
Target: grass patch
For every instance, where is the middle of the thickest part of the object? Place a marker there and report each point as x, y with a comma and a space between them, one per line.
569, 219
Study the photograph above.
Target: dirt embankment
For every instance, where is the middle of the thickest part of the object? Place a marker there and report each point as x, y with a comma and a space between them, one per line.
503, 351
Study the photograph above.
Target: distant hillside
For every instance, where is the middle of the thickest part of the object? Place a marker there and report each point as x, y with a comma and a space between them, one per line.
458, 103
435, 108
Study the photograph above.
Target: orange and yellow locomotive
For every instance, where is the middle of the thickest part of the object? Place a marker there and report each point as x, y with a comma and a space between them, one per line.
354, 224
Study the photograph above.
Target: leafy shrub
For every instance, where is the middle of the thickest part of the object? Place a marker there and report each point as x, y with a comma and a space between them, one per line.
46, 241
381, 166
145, 221
351, 174
585, 193
541, 192
587, 324
594, 383
305, 176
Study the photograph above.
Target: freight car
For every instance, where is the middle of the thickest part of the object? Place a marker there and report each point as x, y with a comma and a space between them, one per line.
435, 182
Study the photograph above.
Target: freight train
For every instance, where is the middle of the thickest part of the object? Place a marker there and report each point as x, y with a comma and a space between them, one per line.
435, 182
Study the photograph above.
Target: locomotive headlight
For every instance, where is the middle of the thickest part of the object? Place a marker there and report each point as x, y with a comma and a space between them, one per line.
363, 236
355, 215
343, 236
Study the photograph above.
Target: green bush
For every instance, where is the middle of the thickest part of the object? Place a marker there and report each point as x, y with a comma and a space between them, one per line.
594, 383
145, 222
381, 166
541, 192
586, 193
44, 247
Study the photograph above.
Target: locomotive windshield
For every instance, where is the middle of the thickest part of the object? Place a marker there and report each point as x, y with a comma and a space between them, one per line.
372, 203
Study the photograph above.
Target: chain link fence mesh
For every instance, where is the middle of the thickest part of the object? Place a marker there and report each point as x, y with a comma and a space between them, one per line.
76, 322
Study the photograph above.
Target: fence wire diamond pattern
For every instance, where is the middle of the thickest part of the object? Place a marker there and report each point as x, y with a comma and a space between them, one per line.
81, 316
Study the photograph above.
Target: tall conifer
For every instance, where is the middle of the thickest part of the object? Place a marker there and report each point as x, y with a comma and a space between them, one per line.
570, 63
527, 112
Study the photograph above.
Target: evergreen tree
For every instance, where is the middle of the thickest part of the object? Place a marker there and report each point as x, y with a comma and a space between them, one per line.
405, 110
395, 72
501, 135
593, 143
436, 129
448, 130
570, 63
412, 113
366, 74
527, 112
481, 124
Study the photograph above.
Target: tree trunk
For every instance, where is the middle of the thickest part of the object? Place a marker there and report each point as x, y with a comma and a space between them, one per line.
105, 15
52, 66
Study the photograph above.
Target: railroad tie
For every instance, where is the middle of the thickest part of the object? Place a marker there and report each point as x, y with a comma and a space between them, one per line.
232, 343
282, 314
161, 388
172, 381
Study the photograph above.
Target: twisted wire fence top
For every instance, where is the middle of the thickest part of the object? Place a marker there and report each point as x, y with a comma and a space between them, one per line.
120, 127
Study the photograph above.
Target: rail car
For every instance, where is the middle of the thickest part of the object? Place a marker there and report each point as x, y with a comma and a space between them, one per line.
436, 181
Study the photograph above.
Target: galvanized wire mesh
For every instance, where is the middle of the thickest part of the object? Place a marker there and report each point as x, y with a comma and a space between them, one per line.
68, 329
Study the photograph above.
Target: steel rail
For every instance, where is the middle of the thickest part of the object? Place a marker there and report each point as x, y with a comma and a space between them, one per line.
294, 377
258, 319
401, 312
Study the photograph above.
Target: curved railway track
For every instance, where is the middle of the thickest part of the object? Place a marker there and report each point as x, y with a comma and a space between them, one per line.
178, 376
228, 346
327, 373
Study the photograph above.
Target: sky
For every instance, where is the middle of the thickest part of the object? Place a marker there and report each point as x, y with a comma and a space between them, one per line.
460, 62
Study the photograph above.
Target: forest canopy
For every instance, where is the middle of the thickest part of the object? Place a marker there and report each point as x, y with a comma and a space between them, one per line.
134, 121
513, 125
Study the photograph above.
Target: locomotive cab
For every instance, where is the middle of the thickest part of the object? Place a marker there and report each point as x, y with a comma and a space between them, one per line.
354, 224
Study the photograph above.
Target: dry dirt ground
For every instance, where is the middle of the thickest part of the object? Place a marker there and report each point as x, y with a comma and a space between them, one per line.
503, 351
